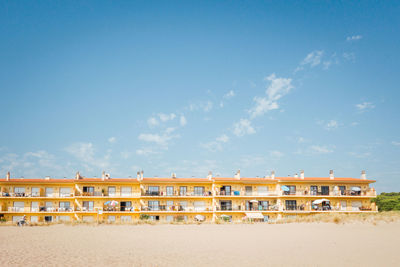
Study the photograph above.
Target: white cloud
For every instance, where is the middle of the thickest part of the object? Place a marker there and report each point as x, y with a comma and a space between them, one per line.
159, 139
112, 140
146, 152
152, 122
349, 56
395, 143
182, 120
223, 138
353, 38
243, 127
166, 117
365, 106
332, 124
313, 59
278, 88
85, 153
320, 149
276, 154
208, 106
230, 94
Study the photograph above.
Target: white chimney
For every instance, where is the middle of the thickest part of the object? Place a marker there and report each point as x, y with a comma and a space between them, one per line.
173, 175
141, 175
237, 175
107, 176
272, 175
363, 175
103, 175
209, 176
302, 174
138, 176
331, 176
47, 178
8, 176
77, 176
296, 176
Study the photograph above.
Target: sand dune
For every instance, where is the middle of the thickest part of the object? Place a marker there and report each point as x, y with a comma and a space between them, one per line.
313, 244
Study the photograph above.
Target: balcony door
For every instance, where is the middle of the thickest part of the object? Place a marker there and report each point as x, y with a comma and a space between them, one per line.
111, 191
325, 190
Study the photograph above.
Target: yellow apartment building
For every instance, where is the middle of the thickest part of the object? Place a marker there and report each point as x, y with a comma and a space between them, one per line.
182, 199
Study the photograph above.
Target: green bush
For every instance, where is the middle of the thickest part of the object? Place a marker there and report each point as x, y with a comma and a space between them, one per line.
388, 201
144, 217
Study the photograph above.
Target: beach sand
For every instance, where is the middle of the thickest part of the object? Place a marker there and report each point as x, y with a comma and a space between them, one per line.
295, 244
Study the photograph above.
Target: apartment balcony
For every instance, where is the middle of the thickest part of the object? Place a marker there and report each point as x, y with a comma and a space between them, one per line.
240, 208
176, 194
52, 195
247, 194
175, 208
347, 193
41, 209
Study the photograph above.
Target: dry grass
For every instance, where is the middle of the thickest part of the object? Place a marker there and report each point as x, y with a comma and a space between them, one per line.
372, 218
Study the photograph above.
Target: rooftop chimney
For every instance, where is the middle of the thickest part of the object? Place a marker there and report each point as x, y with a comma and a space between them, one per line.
296, 176
8, 176
331, 176
237, 175
302, 174
138, 176
47, 178
173, 175
209, 176
141, 175
77, 176
103, 175
272, 174
107, 176
363, 175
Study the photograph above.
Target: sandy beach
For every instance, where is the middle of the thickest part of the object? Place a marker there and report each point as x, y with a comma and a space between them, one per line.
296, 244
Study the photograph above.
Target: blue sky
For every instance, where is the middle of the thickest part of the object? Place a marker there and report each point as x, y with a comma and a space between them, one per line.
189, 87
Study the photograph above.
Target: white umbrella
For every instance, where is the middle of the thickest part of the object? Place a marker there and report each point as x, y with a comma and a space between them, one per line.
253, 201
199, 217
319, 201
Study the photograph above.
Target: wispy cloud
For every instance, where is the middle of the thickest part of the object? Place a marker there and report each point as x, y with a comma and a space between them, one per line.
146, 151
353, 38
395, 143
112, 140
166, 117
364, 106
349, 56
277, 88
230, 94
329, 125
216, 145
152, 122
182, 120
243, 127
85, 153
320, 149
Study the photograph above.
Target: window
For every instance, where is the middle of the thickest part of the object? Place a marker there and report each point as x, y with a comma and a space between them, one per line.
154, 190
126, 205
126, 191
199, 206
249, 190
170, 203
34, 219
262, 190
154, 205
343, 205
65, 192
356, 205
313, 190
291, 204
19, 206
169, 218
182, 190
49, 192
111, 218
226, 204
88, 190
170, 190
126, 218
266, 218
64, 205
48, 218
291, 191
16, 218
199, 190
342, 190
111, 191
49, 205
154, 218
35, 191
87, 205
325, 190
19, 191
35, 206
263, 205
226, 190
183, 205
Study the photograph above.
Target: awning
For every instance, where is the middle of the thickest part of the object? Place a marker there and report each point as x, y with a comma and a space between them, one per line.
253, 201
319, 201
256, 215
285, 188
356, 188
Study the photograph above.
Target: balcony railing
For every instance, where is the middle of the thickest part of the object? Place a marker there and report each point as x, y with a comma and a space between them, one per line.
162, 193
40, 209
175, 208
6, 194
243, 193
240, 208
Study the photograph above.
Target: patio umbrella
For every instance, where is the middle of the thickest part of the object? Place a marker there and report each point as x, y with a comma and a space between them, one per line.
285, 188
224, 216
113, 203
107, 202
356, 188
199, 217
253, 201
319, 201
